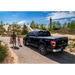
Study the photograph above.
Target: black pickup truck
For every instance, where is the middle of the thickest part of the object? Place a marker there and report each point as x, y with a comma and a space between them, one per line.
45, 42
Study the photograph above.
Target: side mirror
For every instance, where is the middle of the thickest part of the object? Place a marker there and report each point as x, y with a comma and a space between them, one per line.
27, 35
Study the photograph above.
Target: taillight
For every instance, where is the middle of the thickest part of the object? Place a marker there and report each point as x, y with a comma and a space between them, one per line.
53, 43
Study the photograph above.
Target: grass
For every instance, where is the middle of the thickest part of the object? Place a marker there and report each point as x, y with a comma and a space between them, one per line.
74, 45
21, 36
5, 35
3, 52
72, 39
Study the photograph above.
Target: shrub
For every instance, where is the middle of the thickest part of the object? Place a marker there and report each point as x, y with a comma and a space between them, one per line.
21, 36
3, 52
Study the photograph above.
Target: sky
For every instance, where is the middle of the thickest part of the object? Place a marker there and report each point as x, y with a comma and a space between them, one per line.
21, 17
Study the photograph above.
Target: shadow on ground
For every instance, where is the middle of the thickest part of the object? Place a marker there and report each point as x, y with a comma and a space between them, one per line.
20, 45
15, 48
60, 57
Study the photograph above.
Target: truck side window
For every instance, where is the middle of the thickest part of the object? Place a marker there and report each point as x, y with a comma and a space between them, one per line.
30, 34
34, 34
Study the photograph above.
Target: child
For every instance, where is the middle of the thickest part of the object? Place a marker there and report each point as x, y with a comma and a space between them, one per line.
19, 42
11, 41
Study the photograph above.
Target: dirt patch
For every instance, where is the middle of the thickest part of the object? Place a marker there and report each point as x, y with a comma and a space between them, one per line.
64, 31
70, 50
64, 35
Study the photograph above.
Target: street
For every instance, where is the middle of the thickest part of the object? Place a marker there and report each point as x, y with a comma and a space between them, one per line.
31, 55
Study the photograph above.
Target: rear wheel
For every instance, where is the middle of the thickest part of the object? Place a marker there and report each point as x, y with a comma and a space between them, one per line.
42, 49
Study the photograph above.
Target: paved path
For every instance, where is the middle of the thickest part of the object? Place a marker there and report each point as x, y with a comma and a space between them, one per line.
31, 55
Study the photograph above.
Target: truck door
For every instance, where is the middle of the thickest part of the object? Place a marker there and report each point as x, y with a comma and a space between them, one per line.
29, 37
34, 38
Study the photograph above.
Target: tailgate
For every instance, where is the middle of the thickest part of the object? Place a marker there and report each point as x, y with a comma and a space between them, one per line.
61, 42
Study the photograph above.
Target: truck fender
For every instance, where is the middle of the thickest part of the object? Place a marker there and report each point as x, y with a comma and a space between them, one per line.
41, 42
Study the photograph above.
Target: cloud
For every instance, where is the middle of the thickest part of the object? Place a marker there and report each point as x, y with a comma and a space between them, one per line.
21, 22
58, 15
72, 18
62, 21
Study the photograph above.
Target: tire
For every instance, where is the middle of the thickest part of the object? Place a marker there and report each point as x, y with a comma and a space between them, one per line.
42, 49
25, 43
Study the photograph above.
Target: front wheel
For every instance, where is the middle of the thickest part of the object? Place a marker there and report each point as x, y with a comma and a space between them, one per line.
25, 42
42, 49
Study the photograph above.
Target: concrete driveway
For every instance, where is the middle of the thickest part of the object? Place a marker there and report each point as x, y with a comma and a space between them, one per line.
31, 55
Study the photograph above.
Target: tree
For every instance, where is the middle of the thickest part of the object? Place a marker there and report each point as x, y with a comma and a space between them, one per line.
24, 30
54, 26
28, 24
48, 28
32, 24
42, 27
1, 23
64, 25
37, 26
72, 25
58, 25
68, 25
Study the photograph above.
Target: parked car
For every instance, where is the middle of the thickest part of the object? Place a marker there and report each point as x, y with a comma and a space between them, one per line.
45, 42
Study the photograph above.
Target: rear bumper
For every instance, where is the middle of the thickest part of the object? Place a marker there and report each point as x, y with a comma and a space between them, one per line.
60, 49
57, 49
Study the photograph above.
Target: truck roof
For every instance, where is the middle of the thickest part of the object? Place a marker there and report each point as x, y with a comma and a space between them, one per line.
38, 30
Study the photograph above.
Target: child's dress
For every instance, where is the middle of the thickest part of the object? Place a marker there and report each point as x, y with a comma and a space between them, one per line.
19, 40
11, 41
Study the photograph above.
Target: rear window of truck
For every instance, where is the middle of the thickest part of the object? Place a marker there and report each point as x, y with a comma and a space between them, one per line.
44, 33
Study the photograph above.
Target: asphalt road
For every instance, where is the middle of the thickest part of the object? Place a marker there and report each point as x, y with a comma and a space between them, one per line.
31, 55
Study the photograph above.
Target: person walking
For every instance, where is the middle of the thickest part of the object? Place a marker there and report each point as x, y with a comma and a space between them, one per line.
14, 38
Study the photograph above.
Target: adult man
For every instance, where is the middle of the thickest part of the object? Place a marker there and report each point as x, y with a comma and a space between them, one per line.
14, 38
